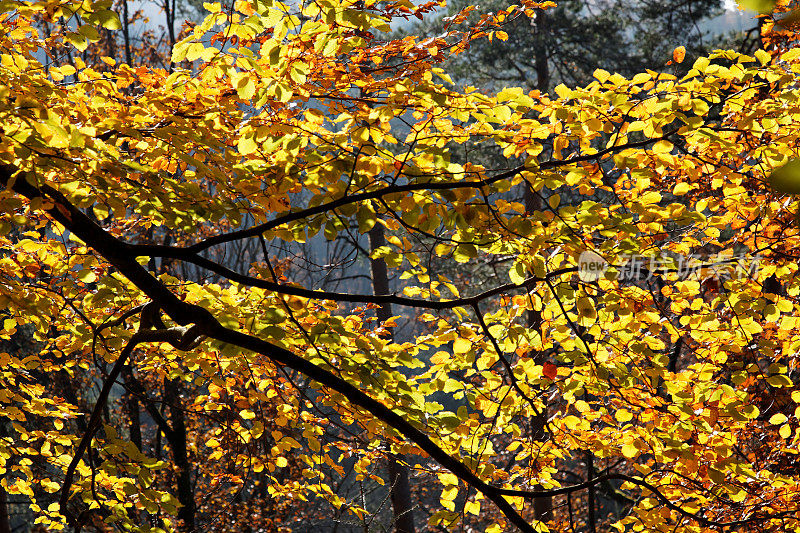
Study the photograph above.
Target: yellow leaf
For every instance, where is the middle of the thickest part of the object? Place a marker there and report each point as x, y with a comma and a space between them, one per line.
440, 357
461, 345
681, 188
563, 91
446, 478
472, 507
582, 406
663, 147
245, 7
601, 75
739, 495
778, 418
630, 451
247, 145
450, 493
679, 54
195, 51
623, 415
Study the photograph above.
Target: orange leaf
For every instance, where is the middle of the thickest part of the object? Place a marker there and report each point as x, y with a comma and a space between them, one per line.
679, 54
245, 8
549, 370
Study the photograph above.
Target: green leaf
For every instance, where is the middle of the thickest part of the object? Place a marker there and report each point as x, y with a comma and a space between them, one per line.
786, 179
77, 40
366, 218
760, 6
464, 252
90, 32
779, 380
107, 19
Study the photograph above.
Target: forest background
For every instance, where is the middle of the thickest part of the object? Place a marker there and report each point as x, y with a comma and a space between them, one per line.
282, 270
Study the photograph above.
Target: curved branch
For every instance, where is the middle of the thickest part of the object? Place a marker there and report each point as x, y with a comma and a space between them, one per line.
161, 250
203, 322
170, 335
379, 299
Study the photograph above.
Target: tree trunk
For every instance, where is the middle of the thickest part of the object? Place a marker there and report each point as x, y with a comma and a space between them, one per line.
126, 33
542, 507
540, 53
5, 522
400, 494
132, 408
177, 441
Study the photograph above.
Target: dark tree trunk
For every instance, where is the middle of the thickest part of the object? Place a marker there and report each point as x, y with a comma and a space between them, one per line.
540, 53
126, 33
177, 441
591, 497
542, 507
132, 408
400, 494
5, 523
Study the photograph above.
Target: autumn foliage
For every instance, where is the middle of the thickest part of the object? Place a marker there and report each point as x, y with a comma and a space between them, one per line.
175, 357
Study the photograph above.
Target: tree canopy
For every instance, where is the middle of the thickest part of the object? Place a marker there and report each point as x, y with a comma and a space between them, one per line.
168, 363
567, 42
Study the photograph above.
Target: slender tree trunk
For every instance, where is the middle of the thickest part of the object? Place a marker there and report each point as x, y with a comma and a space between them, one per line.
177, 441
126, 33
5, 522
591, 497
400, 494
540, 53
132, 408
542, 507
169, 13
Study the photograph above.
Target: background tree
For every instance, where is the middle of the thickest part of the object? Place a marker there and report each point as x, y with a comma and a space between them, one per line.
566, 43
125, 193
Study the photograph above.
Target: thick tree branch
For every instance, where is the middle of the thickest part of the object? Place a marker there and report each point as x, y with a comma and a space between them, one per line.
169, 335
379, 299
166, 251
58, 207
203, 322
